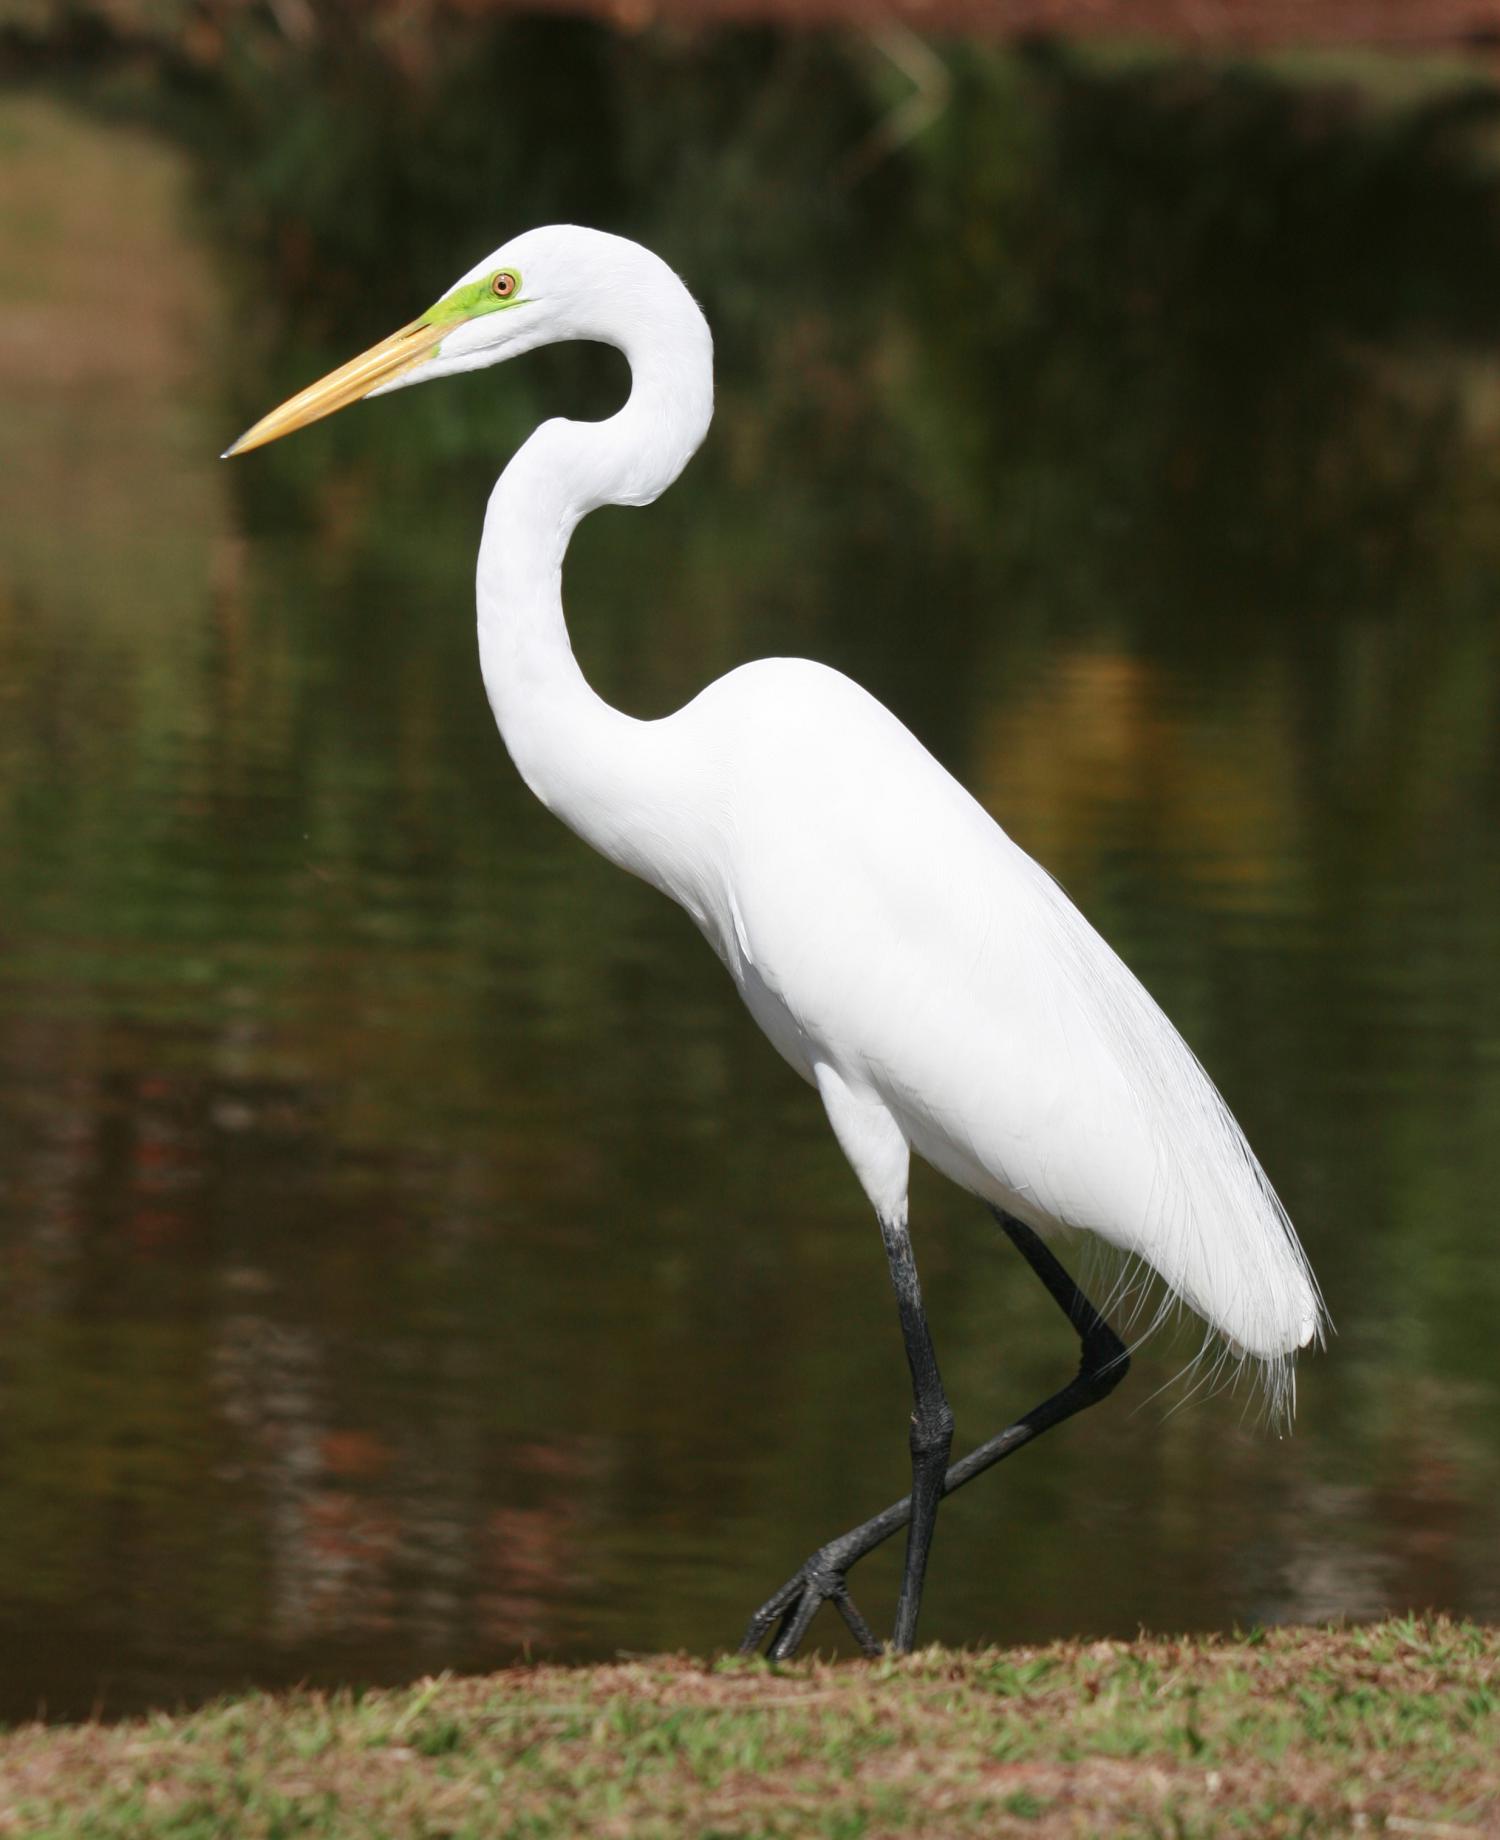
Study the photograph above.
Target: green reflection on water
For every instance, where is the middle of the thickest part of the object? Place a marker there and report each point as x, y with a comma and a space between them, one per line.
410, 1250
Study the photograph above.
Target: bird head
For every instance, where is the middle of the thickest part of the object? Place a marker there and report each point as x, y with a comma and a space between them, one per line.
560, 282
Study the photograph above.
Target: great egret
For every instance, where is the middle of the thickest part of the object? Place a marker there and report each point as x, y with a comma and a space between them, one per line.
908, 960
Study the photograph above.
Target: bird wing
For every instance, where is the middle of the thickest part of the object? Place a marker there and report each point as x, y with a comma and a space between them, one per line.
912, 945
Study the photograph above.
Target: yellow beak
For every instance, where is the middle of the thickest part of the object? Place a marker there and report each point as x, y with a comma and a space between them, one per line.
382, 362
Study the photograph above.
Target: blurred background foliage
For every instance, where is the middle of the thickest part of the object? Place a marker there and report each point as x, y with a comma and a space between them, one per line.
410, 1251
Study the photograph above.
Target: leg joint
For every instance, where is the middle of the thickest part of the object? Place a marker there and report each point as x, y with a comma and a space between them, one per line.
932, 1430
1104, 1363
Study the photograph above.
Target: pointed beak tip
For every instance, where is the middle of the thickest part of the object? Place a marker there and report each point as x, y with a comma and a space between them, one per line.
374, 370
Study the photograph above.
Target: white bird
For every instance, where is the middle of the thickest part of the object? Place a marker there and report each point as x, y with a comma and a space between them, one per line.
901, 952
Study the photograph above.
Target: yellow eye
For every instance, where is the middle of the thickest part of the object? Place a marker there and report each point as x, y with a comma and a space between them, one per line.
504, 284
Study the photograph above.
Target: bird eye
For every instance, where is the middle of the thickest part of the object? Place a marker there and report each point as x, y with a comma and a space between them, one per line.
505, 284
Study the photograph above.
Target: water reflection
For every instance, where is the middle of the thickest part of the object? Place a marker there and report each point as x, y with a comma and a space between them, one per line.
410, 1252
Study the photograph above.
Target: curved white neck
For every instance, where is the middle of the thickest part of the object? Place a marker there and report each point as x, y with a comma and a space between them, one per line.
597, 769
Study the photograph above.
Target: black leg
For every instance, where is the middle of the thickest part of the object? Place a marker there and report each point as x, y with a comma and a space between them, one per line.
931, 1430
1103, 1364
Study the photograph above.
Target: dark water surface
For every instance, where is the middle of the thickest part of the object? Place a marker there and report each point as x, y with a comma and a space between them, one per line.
410, 1253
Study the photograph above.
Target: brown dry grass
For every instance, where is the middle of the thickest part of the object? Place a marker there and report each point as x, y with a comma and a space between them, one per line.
1393, 1728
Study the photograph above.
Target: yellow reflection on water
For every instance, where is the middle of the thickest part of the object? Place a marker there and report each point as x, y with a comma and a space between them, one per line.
1103, 749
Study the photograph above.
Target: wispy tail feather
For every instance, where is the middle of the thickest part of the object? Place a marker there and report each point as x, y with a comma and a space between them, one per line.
1216, 1234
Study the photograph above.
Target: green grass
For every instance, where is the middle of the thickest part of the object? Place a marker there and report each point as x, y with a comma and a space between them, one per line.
1392, 1728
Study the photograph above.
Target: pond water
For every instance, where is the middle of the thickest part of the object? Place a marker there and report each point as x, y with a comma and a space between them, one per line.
411, 1256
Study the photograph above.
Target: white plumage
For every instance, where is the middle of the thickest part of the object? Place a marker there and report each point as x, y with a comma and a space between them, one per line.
905, 956
885, 932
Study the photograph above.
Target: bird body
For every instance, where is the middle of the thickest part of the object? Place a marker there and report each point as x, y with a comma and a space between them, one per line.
895, 944
899, 950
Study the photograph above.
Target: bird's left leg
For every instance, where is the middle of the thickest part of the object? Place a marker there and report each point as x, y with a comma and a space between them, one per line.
931, 1430
876, 1147
1104, 1362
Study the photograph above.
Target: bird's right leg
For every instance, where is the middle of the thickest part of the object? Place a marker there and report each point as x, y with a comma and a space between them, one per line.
1103, 1364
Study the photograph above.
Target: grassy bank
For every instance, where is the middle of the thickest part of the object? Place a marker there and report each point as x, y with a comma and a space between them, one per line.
1392, 1728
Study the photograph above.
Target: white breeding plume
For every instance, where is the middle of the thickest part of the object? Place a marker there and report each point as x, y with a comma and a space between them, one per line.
905, 956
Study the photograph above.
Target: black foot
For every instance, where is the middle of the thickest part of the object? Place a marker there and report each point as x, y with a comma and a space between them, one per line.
790, 1610
823, 1580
